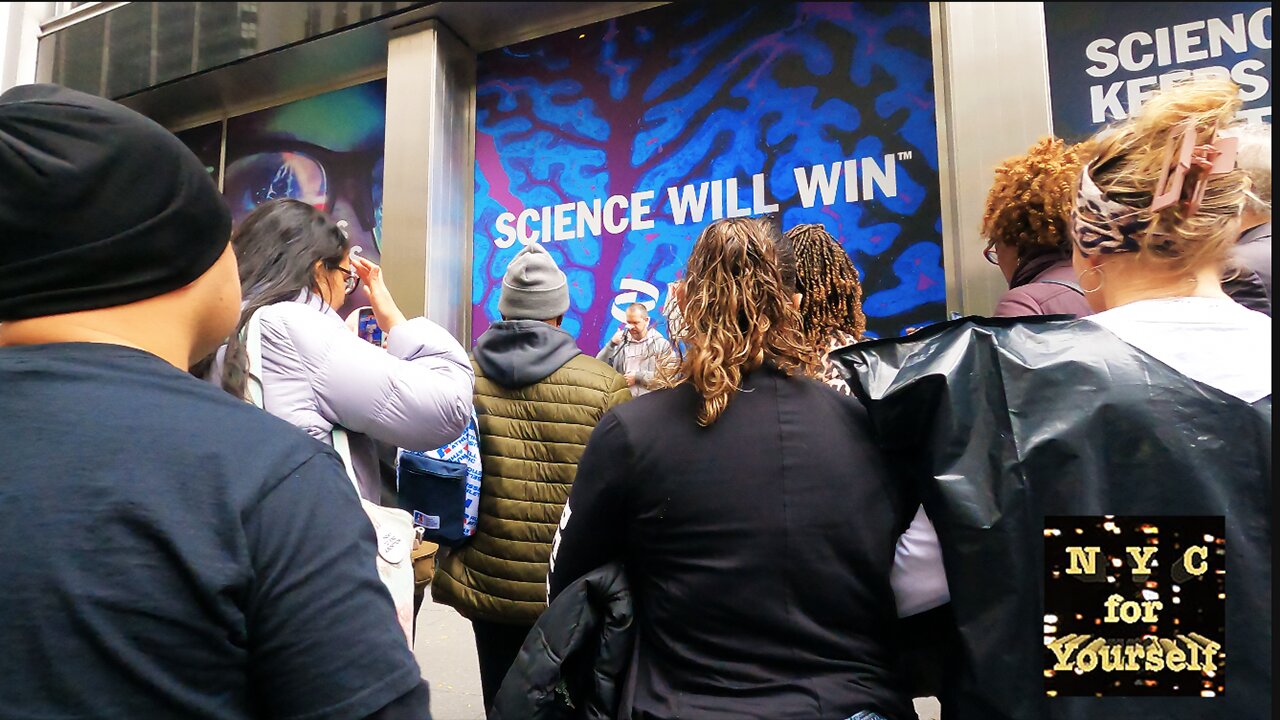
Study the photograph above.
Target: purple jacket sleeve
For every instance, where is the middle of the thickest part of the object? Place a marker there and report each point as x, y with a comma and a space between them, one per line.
415, 394
918, 578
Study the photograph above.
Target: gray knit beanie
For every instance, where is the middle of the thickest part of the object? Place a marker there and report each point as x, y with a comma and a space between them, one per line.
534, 288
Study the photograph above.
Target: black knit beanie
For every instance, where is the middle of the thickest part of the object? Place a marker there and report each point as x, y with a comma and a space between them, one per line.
99, 206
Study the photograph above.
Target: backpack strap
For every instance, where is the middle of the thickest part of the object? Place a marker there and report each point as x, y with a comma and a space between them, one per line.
251, 336
1070, 284
342, 444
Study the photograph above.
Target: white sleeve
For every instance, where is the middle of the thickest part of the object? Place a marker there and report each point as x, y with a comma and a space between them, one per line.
918, 578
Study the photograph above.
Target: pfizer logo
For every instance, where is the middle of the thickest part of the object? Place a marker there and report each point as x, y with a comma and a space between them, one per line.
634, 291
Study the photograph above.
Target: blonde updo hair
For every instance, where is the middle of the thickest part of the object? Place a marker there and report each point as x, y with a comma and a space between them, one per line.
737, 313
1254, 160
1029, 205
1128, 159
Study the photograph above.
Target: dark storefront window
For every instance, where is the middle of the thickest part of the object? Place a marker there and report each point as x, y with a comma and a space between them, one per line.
143, 44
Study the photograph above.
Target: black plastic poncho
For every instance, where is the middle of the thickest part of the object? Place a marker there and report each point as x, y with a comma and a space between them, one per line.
1003, 423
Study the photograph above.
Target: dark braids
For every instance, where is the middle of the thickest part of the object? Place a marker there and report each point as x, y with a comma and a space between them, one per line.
828, 281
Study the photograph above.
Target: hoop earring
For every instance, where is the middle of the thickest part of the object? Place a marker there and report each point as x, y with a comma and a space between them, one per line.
1101, 279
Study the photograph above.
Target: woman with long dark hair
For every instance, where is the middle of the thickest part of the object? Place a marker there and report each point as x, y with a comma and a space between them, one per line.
754, 516
296, 266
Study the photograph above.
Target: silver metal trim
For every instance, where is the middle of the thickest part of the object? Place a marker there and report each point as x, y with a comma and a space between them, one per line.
88, 11
269, 101
428, 174
411, 67
278, 99
593, 12
195, 39
947, 180
1043, 32
222, 154
986, 122
106, 56
155, 45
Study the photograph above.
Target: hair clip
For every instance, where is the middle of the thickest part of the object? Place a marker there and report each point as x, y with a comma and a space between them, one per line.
1213, 158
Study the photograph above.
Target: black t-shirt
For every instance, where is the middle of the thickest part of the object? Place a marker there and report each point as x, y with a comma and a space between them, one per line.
169, 552
759, 552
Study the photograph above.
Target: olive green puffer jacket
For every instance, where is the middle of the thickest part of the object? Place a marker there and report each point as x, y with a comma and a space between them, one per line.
537, 399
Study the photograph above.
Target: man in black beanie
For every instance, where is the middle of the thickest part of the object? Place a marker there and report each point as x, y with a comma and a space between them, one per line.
167, 552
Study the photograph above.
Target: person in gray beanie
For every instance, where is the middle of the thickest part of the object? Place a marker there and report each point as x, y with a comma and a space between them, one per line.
537, 398
534, 287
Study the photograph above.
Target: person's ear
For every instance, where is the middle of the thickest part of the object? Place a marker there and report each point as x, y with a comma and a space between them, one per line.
796, 300
320, 274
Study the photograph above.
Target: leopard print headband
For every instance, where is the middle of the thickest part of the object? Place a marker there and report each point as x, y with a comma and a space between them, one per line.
1100, 225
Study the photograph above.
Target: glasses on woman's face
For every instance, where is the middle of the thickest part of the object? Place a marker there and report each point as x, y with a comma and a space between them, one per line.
350, 280
990, 253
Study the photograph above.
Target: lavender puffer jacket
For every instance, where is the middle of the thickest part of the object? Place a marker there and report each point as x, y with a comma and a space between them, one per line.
416, 394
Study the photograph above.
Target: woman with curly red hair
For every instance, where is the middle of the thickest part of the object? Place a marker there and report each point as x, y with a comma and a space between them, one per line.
1026, 224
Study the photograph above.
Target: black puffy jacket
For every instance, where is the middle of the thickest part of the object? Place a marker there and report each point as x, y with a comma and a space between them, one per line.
574, 661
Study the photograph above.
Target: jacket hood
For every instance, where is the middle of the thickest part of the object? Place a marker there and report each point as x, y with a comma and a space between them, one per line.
518, 353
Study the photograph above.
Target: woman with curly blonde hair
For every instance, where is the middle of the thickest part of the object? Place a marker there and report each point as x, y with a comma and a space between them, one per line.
1157, 213
1026, 224
755, 517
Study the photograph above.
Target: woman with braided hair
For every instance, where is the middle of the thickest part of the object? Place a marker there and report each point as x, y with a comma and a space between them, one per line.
830, 318
831, 296
1027, 226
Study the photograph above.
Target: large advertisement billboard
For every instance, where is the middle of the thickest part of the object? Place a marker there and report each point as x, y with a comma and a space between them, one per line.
1105, 58
325, 150
615, 144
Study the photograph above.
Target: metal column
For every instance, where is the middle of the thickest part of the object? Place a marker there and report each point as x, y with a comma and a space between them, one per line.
992, 83
428, 174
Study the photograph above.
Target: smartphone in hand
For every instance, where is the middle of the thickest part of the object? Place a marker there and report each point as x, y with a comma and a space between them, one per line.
367, 327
